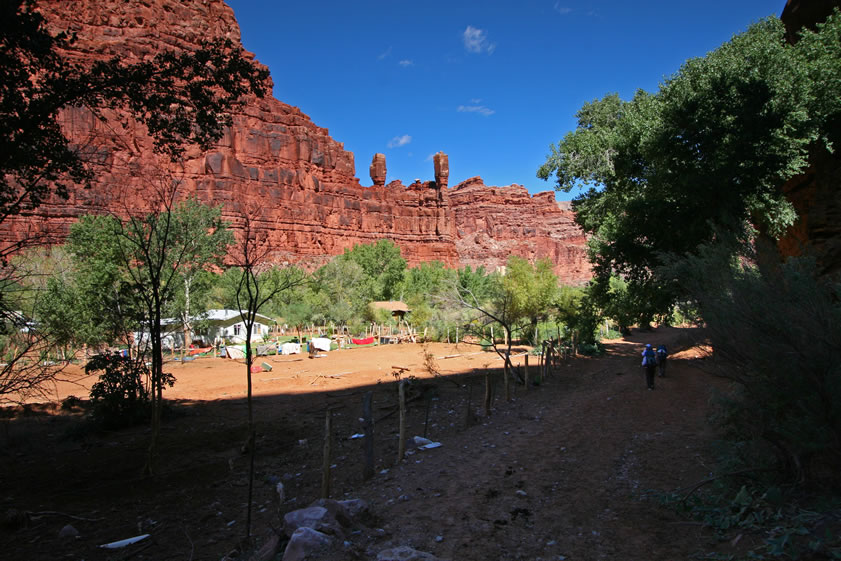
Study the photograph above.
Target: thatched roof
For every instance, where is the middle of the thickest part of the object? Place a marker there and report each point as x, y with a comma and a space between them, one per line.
392, 306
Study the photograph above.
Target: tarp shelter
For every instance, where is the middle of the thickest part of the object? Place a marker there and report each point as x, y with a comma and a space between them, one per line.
290, 349
398, 309
321, 343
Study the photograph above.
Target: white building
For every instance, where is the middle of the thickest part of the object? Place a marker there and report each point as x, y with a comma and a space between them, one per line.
210, 327
228, 325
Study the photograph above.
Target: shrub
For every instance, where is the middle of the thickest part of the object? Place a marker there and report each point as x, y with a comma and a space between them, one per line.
775, 334
119, 398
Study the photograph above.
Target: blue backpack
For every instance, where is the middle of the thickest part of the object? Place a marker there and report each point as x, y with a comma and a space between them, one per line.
649, 357
661, 353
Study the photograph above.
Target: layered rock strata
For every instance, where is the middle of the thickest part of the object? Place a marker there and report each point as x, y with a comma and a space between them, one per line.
275, 162
816, 193
495, 222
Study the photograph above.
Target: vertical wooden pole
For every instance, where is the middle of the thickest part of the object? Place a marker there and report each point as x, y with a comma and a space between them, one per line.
426, 417
487, 395
526, 372
448, 335
469, 415
401, 445
505, 380
328, 454
368, 429
456, 335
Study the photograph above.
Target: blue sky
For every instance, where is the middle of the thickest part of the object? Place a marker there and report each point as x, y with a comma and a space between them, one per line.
490, 83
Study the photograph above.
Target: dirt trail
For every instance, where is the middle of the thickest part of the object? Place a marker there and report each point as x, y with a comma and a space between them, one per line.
567, 470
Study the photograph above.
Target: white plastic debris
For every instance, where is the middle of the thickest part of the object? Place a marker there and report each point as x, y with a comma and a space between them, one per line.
124, 543
430, 446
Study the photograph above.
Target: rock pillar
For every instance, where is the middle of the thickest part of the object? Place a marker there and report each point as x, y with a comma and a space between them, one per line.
377, 169
442, 169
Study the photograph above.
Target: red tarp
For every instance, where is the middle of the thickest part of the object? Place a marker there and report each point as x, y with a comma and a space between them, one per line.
367, 341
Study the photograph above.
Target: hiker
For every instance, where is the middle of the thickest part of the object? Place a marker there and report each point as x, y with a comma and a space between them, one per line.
661, 360
649, 362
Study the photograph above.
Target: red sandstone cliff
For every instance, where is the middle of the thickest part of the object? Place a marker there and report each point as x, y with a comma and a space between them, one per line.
276, 159
816, 193
495, 222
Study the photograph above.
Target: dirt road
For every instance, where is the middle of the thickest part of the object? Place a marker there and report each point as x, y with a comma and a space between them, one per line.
569, 469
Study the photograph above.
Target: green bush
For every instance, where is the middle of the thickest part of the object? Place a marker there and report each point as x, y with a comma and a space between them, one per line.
120, 398
591, 349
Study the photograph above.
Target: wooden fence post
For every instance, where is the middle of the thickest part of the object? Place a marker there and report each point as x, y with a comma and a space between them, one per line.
401, 445
488, 394
505, 379
469, 415
328, 453
368, 429
526, 372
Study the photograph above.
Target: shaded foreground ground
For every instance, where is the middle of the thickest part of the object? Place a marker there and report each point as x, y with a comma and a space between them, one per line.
567, 470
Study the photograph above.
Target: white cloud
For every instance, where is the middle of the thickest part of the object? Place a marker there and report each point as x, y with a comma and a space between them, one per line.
476, 100
429, 158
563, 10
399, 141
404, 63
476, 41
384, 54
480, 109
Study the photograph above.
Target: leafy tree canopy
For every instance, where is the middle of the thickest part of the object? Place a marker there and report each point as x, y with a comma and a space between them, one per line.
181, 98
383, 266
702, 159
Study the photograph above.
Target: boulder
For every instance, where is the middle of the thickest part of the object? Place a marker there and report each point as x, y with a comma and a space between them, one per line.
315, 517
305, 541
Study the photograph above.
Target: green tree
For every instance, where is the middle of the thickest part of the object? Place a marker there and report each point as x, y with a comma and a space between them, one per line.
146, 253
342, 289
205, 251
479, 282
774, 333
422, 286
258, 285
181, 98
511, 302
533, 290
383, 266
701, 160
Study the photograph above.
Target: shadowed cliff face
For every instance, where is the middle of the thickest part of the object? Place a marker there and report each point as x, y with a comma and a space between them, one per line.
275, 161
816, 193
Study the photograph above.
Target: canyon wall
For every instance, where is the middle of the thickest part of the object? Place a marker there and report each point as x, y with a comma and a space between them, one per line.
276, 162
495, 222
815, 193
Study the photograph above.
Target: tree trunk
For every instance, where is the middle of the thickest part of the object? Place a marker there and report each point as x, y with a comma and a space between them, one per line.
252, 433
156, 393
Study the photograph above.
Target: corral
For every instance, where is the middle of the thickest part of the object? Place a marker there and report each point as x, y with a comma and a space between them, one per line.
568, 468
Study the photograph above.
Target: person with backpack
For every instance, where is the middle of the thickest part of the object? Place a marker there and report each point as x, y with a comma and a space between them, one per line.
661, 360
649, 362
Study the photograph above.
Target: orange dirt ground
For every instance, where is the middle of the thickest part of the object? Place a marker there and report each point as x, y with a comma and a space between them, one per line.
569, 469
